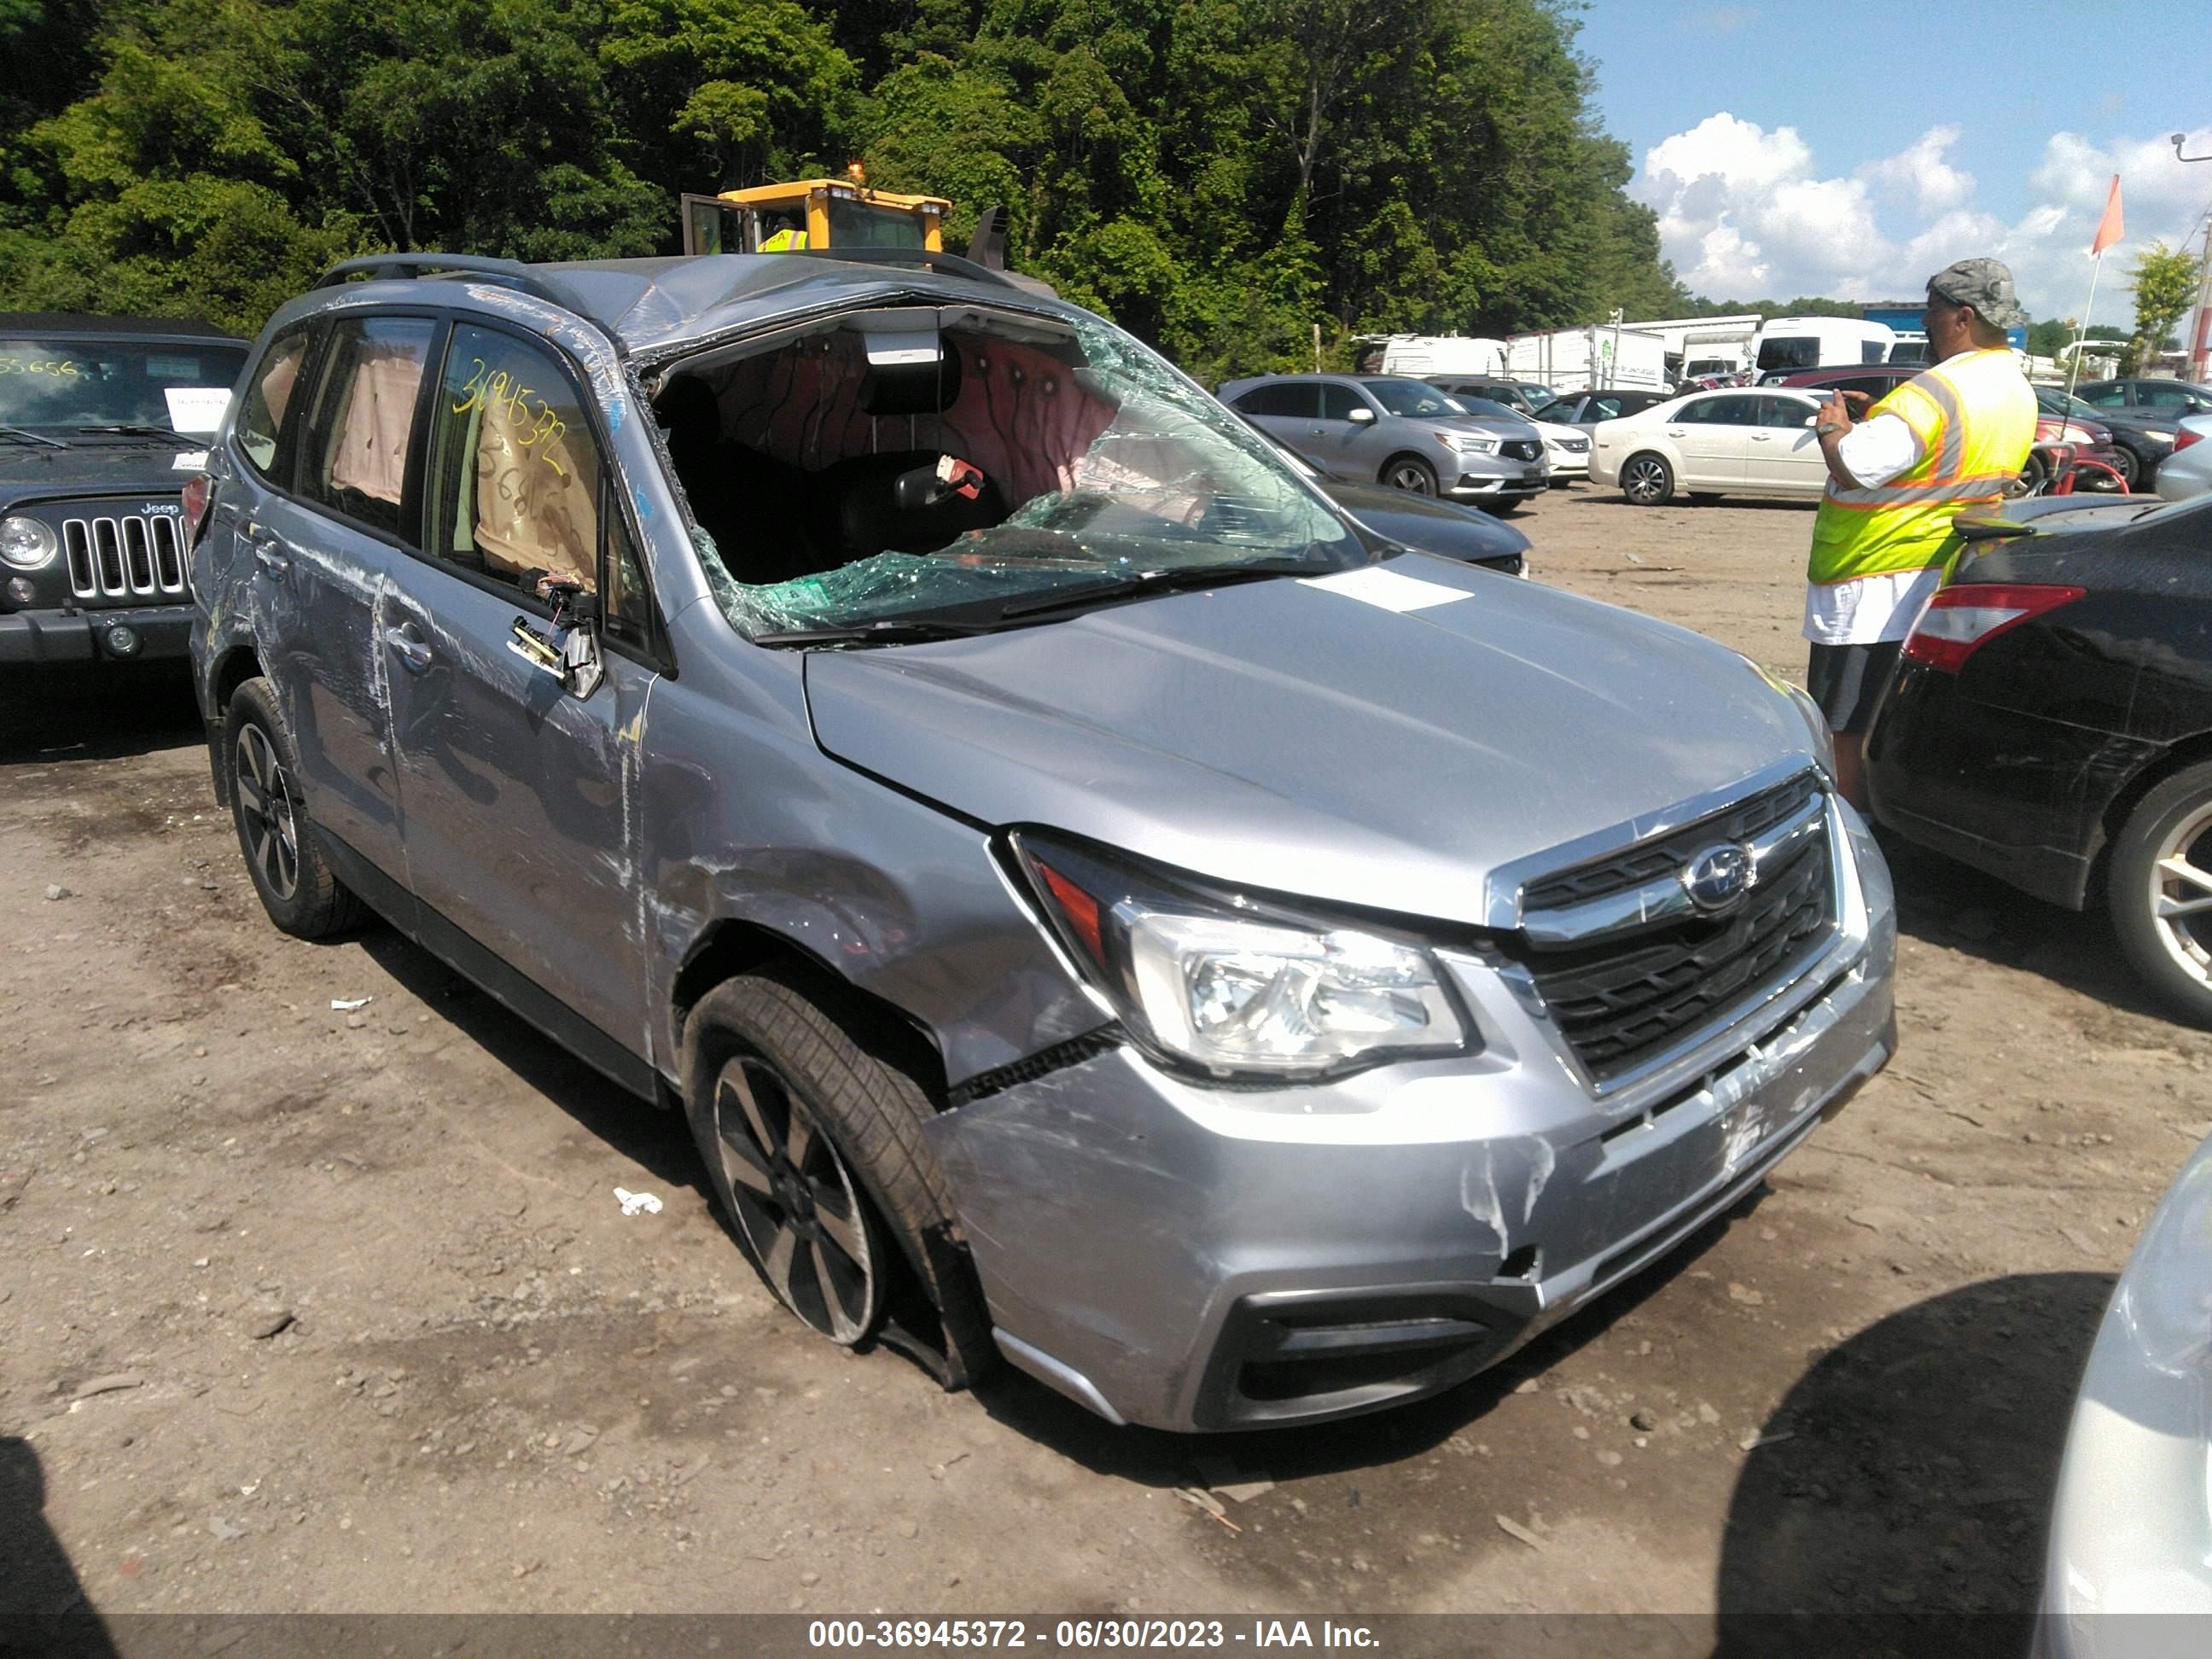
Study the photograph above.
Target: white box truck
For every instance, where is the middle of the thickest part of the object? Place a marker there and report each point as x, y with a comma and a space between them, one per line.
1597, 358
1423, 354
1706, 345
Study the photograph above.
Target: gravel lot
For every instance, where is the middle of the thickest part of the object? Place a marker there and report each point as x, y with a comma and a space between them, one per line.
309, 1311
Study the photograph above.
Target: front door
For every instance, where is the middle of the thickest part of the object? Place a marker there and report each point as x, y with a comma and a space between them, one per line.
1784, 455
1713, 434
323, 555
522, 825
1339, 444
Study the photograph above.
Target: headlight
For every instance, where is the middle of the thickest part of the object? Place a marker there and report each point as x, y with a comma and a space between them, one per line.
27, 543
1472, 443
1211, 980
1816, 724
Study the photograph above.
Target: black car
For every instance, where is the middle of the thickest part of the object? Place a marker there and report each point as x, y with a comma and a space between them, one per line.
2145, 394
1424, 523
2051, 722
103, 423
2142, 436
1587, 409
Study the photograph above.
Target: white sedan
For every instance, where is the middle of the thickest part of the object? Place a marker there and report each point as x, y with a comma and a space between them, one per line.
1567, 448
2187, 472
1714, 443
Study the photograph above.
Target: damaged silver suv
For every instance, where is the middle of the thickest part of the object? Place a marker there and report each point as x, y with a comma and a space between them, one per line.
1099, 907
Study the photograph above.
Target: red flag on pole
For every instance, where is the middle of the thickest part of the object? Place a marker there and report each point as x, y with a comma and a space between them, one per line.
2109, 229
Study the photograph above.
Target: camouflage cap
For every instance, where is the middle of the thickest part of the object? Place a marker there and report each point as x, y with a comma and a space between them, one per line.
1984, 284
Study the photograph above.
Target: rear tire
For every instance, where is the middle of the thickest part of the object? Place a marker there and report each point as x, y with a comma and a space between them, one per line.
814, 1150
1646, 480
296, 888
2161, 859
2128, 466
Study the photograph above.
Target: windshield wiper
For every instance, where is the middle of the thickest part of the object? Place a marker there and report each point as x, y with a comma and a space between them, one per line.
133, 429
1158, 581
32, 437
885, 631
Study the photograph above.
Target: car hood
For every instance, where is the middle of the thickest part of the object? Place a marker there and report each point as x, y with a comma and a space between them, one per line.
1425, 522
28, 471
1303, 738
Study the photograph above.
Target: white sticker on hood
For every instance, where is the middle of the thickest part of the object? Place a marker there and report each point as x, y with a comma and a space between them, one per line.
192, 460
1386, 588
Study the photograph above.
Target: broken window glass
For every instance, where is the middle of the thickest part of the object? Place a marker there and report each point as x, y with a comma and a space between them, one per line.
895, 463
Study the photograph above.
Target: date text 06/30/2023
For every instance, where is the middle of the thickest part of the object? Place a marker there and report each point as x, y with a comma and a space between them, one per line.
1077, 1634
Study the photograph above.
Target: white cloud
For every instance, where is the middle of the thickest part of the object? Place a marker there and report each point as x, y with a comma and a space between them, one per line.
1746, 213
1920, 173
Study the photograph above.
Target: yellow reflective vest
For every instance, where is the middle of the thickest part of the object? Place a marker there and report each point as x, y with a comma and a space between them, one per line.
785, 241
1974, 415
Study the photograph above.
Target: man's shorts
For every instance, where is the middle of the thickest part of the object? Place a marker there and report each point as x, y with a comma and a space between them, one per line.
1847, 681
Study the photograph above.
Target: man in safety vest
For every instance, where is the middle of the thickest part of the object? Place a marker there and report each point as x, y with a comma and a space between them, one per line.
790, 238
1951, 437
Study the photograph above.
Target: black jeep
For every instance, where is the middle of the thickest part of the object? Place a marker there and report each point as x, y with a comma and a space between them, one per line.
103, 421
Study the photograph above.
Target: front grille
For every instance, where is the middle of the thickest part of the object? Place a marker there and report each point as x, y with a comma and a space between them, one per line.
1523, 449
139, 557
1619, 1000
1634, 866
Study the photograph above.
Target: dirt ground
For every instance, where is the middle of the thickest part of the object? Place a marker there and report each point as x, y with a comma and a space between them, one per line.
313, 1311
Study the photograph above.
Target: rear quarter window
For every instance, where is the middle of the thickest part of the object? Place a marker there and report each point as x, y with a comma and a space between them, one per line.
260, 429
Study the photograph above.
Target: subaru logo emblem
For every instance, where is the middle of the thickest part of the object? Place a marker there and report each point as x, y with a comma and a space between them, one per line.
1718, 877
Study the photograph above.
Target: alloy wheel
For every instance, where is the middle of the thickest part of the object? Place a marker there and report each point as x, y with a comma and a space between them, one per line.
269, 812
1644, 481
795, 1201
1411, 477
2181, 893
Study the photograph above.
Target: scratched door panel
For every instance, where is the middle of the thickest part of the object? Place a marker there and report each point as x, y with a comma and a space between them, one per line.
520, 826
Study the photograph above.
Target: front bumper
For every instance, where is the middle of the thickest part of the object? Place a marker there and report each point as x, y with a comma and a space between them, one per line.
1485, 477
44, 636
1197, 1259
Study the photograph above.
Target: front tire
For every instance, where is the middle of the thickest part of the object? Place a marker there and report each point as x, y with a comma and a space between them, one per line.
1646, 480
297, 887
2128, 466
813, 1148
1411, 474
2159, 887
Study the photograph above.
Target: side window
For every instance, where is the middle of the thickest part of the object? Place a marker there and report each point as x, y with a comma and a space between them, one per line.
1292, 400
513, 483
364, 415
1733, 412
2163, 397
2105, 397
1783, 411
1697, 411
1788, 353
268, 395
1872, 351
1337, 402
1600, 408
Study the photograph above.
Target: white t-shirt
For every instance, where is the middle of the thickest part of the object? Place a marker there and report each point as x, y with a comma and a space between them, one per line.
1871, 608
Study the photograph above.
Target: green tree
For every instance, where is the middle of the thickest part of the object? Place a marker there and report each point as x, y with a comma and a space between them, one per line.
2165, 286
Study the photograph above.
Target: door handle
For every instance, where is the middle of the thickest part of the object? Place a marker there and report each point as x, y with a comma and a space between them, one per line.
1761, 437
266, 555
411, 649
1676, 432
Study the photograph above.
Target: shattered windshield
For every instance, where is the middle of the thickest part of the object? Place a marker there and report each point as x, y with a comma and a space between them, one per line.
66, 385
972, 467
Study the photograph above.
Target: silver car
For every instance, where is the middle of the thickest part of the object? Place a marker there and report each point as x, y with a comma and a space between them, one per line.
2133, 1514
1097, 907
1403, 432
2186, 473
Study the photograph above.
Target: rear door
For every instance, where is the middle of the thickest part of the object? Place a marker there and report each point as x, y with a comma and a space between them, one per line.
1783, 456
522, 827
1713, 436
1284, 410
322, 552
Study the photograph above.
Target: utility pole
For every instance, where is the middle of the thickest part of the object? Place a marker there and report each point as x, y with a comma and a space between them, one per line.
2200, 340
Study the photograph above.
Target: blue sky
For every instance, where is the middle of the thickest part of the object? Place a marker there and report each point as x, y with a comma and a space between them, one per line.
1849, 150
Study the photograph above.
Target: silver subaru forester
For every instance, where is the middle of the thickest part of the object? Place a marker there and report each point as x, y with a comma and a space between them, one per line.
1098, 906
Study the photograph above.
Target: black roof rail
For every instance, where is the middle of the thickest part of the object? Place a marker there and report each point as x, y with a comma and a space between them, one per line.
397, 267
